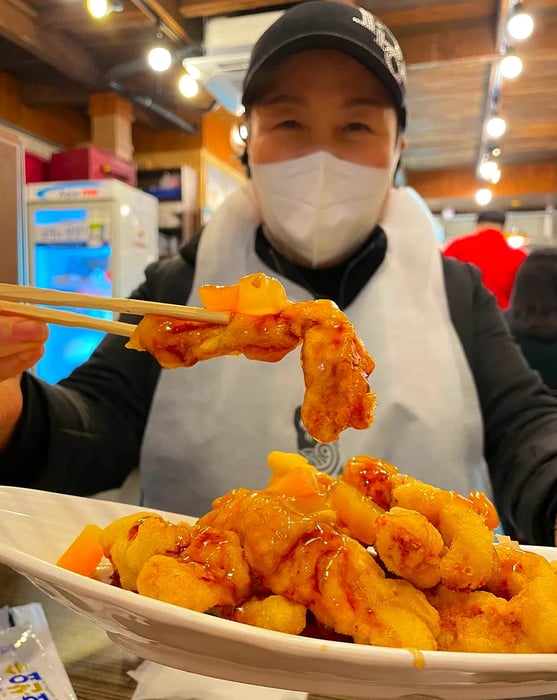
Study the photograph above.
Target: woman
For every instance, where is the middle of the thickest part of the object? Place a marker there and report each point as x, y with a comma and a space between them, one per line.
532, 316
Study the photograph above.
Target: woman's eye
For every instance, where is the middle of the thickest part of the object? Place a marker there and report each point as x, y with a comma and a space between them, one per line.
357, 126
289, 124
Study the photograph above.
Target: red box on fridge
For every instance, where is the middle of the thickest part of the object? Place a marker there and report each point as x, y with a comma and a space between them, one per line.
36, 168
91, 163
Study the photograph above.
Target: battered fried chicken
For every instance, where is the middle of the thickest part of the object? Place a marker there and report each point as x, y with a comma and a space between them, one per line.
523, 621
334, 361
211, 571
410, 545
514, 569
332, 575
474, 621
275, 612
465, 525
131, 541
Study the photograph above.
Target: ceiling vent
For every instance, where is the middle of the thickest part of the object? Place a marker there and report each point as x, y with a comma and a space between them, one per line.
228, 43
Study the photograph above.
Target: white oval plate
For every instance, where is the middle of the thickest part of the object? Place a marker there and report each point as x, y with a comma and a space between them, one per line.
36, 527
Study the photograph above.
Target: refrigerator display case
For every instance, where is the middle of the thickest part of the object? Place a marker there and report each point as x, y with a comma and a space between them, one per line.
92, 237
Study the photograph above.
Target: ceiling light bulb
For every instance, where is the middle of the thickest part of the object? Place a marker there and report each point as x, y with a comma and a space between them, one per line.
496, 176
98, 8
496, 152
159, 59
511, 66
487, 169
520, 25
188, 86
496, 127
483, 196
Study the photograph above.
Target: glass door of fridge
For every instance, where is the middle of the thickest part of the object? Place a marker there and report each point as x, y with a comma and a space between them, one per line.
71, 252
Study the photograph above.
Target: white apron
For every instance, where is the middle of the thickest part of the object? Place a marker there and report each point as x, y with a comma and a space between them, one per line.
212, 425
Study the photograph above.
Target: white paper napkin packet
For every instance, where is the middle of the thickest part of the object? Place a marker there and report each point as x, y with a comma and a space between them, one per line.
30, 666
156, 682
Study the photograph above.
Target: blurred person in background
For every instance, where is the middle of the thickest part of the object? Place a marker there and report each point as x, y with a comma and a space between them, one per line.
532, 316
325, 103
488, 249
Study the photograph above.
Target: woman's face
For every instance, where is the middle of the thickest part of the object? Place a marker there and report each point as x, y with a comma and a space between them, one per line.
323, 100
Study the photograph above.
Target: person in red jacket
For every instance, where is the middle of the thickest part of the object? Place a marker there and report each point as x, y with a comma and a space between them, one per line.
490, 252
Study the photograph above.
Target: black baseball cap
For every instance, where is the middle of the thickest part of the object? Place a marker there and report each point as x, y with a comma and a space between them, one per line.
326, 24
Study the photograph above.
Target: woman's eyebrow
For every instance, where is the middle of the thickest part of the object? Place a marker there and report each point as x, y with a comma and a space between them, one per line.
365, 101
283, 99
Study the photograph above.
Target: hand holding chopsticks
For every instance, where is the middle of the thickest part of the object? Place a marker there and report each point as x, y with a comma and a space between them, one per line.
19, 300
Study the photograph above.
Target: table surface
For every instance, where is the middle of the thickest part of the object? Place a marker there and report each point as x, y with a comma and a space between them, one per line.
98, 669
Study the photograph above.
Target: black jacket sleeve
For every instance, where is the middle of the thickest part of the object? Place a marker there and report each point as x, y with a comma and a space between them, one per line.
84, 435
520, 421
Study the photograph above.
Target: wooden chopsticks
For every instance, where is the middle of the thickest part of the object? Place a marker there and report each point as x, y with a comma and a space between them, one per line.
67, 318
17, 299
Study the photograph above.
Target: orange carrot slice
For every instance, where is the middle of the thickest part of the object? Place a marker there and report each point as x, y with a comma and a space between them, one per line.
260, 295
256, 295
85, 552
218, 298
356, 511
298, 483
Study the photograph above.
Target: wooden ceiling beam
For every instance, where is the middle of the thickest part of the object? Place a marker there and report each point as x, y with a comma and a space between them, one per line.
377, 6
518, 180
167, 13
75, 15
20, 25
37, 95
415, 15
428, 49
406, 12
192, 9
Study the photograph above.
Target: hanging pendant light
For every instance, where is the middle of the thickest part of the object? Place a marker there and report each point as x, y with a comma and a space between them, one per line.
520, 25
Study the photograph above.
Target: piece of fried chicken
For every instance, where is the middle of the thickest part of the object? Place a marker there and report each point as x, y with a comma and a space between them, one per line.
463, 559
274, 612
212, 571
515, 614
329, 573
334, 361
132, 540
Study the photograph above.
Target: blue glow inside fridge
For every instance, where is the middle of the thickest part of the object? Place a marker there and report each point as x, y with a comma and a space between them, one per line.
88, 237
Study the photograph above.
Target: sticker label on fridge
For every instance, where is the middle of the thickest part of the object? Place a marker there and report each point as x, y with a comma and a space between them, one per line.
65, 226
77, 232
70, 190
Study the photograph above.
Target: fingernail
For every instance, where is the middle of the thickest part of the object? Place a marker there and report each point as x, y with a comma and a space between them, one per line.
29, 331
30, 355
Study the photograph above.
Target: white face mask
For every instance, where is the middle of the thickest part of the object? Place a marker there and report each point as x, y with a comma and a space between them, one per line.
318, 209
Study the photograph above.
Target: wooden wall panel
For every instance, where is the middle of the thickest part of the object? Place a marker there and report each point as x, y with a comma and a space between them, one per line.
60, 125
11, 184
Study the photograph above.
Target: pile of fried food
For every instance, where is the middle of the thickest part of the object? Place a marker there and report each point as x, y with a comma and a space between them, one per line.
373, 557
265, 326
